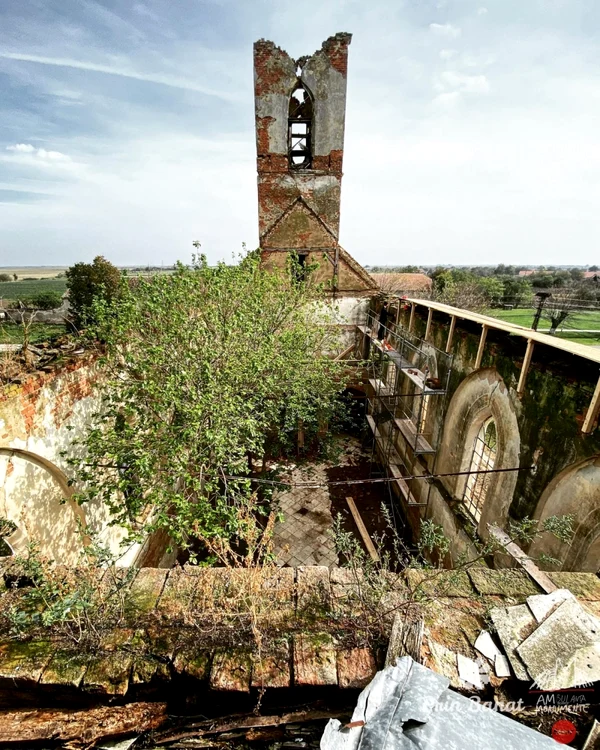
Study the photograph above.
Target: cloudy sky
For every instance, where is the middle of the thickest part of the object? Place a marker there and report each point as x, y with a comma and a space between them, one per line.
472, 132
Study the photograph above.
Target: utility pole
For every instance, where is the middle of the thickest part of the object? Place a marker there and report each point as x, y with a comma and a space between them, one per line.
542, 297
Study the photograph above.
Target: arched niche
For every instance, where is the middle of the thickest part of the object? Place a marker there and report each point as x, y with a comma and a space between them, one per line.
481, 396
575, 491
36, 496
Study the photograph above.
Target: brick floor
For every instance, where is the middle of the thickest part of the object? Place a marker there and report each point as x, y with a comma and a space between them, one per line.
304, 537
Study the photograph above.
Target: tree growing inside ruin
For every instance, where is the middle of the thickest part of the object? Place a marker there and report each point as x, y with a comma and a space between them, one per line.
559, 307
87, 282
207, 372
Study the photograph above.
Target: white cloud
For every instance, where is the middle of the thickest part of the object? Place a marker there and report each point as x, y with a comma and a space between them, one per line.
445, 29
451, 80
448, 99
447, 54
23, 148
38, 153
482, 11
123, 72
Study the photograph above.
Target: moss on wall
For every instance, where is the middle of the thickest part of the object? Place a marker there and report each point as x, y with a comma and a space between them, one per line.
551, 411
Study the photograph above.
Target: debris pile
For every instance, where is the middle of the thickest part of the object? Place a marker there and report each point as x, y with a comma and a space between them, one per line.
17, 361
551, 640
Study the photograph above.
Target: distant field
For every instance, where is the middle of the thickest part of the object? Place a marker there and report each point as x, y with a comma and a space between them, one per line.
571, 330
13, 334
12, 290
37, 272
577, 322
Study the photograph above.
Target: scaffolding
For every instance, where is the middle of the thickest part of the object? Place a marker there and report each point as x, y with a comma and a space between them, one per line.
405, 373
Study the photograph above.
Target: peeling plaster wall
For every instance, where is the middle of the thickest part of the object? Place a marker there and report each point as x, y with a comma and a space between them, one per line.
540, 428
39, 419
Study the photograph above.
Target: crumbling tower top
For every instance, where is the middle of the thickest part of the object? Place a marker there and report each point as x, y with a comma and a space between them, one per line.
300, 117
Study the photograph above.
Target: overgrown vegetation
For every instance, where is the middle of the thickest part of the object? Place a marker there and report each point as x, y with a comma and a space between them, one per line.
89, 283
209, 372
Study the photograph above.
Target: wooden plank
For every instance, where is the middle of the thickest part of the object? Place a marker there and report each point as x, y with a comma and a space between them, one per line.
592, 411
406, 639
345, 353
409, 432
411, 321
450, 334
428, 326
402, 485
525, 367
379, 387
363, 530
72, 726
480, 350
542, 579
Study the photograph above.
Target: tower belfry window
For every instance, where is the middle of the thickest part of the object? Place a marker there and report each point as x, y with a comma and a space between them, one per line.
300, 128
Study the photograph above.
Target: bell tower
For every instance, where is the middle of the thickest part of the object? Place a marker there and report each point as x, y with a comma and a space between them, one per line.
300, 108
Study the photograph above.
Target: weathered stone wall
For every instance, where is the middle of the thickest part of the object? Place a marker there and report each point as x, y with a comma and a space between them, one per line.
540, 428
299, 209
40, 418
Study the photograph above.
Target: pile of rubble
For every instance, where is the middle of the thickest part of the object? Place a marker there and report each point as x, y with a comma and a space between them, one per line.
17, 361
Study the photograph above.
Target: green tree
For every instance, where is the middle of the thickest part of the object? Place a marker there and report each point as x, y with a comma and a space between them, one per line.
494, 289
517, 290
5, 277
49, 300
88, 282
207, 371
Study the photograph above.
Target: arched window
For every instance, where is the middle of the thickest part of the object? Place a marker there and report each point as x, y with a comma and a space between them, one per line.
482, 459
300, 128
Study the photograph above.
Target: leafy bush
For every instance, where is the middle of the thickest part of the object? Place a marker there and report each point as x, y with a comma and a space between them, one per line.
46, 300
87, 282
5, 277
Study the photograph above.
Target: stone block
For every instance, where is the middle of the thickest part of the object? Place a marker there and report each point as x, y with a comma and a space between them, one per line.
356, 667
315, 661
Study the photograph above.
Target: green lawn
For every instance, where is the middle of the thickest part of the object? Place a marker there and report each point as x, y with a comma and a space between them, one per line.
579, 321
13, 290
11, 333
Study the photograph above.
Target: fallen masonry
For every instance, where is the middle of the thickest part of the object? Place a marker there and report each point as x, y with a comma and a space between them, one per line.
276, 641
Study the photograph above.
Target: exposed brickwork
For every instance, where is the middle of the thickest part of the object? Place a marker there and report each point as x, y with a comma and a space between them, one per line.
20, 407
282, 224
336, 49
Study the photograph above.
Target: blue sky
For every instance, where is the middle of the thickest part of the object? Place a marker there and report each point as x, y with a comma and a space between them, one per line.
472, 132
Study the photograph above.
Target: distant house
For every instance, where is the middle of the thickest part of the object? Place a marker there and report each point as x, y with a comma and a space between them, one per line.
526, 272
591, 275
404, 284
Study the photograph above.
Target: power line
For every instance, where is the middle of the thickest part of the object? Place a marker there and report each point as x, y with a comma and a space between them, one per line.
378, 480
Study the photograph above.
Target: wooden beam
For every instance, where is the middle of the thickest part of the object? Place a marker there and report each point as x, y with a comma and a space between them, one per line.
450, 333
484, 330
592, 412
345, 353
542, 579
525, 367
428, 326
363, 530
411, 322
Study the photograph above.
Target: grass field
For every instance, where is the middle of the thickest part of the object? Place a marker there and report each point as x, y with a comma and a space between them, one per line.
33, 272
571, 329
12, 290
10, 333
